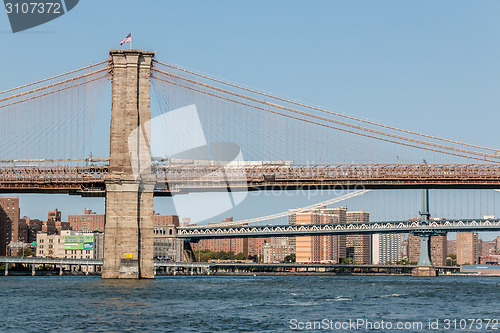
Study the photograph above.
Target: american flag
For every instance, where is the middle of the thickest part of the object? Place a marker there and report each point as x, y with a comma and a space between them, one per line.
127, 39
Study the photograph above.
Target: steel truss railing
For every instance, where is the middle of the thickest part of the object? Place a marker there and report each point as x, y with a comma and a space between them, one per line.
434, 227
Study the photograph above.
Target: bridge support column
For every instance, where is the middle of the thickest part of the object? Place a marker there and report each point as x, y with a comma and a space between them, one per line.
425, 267
424, 250
424, 271
128, 234
33, 271
6, 268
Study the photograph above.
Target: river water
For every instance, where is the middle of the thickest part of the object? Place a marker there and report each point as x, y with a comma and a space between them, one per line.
249, 304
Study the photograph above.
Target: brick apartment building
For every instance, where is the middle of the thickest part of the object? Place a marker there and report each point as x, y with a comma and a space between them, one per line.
438, 249
89, 221
468, 248
9, 222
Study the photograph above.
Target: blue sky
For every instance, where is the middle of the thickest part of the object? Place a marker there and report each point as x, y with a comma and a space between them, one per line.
430, 66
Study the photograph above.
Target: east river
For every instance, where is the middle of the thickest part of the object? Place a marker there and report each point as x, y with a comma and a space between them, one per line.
249, 304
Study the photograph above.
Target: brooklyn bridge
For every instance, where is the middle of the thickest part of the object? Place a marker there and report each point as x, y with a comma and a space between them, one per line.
227, 138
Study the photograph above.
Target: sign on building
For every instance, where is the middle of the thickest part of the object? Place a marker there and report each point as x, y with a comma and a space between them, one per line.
79, 242
17, 245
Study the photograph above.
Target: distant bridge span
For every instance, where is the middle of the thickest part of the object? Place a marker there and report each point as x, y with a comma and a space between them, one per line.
437, 227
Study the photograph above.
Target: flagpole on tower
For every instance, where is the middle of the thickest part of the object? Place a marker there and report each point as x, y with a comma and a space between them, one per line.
130, 46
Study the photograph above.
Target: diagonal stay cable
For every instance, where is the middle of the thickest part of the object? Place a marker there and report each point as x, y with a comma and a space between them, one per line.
324, 110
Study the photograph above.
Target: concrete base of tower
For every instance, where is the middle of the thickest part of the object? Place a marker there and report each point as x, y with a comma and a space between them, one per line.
128, 236
424, 271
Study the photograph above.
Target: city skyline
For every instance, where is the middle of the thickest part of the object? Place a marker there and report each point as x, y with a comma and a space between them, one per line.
282, 203
361, 249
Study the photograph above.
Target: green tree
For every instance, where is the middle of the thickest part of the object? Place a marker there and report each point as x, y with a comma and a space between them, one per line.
403, 261
256, 258
289, 258
451, 260
347, 260
203, 255
241, 256
206, 255
28, 252
223, 255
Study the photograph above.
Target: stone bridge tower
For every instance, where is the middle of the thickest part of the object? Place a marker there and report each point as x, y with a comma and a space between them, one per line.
128, 237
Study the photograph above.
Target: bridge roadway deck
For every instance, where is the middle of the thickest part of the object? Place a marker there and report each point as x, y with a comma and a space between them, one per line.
171, 180
50, 261
97, 262
434, 227
323, 265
